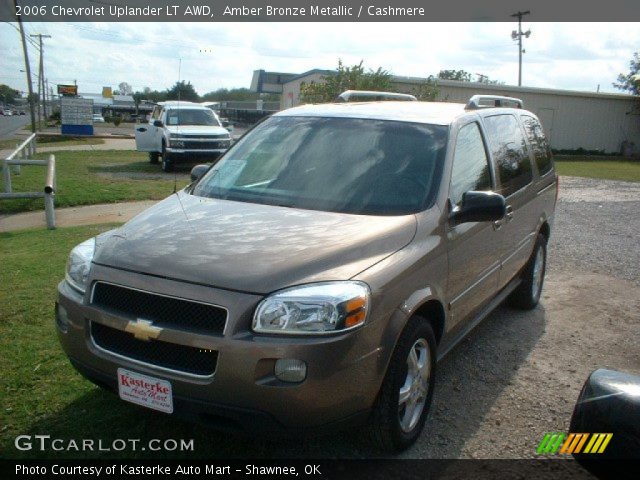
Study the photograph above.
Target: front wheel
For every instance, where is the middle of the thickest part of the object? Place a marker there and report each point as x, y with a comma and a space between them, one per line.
167, 164
527, 295
405, 397
153, 157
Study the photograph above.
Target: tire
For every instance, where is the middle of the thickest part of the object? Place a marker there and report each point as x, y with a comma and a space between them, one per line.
154, 157
167, 164
527, 295
392, 427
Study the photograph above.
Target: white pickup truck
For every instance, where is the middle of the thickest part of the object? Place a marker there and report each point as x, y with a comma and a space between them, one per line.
182, 131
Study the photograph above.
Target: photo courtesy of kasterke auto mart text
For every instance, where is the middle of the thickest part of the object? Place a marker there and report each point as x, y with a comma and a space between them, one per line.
297, 287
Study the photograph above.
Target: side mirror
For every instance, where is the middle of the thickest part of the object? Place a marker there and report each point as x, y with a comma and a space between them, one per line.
607, 404
479, 207
157, 123
198, 171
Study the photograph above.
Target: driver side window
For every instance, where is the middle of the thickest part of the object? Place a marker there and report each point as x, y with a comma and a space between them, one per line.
470, 164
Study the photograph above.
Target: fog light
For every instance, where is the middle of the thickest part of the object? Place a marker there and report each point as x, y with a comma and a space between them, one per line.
62, 318
291, 370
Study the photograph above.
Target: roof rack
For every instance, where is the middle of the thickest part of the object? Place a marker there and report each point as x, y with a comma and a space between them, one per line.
349, 94
489, 101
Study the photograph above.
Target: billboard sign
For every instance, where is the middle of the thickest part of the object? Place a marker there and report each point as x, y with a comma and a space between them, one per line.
68, 90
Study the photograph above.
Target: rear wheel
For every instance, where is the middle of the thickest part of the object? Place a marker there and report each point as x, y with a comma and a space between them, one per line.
154, 157
405, 397
527, 295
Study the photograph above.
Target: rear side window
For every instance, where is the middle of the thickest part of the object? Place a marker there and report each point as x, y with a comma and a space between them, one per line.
539, 144
470, 164
509, 150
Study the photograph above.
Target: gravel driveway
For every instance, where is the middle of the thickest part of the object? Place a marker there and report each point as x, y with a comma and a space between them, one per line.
518, 375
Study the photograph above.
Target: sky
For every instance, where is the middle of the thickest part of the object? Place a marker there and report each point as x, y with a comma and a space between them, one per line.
575, 56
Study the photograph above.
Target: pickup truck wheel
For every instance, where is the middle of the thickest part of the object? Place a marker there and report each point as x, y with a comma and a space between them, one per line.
154, 157
527, 295
405, 397
167, 164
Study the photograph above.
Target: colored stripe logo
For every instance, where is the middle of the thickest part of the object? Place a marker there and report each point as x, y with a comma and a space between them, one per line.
573, 443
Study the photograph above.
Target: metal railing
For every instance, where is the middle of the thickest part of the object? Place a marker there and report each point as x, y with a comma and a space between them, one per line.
21, 156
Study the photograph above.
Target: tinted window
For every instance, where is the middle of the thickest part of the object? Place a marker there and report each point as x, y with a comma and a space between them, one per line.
470, 164
509, 150
348, 165
539, 144
183, 116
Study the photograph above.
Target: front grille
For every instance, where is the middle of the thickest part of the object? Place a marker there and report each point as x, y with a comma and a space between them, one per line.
217, 136
166, 312
173, 356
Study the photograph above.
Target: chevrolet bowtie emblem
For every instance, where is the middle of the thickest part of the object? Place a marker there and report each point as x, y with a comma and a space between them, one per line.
143, 329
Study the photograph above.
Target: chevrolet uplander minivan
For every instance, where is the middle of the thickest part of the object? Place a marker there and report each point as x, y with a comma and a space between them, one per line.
317, 272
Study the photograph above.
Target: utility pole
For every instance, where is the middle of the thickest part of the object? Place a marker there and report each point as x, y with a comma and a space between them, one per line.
517, 35
27, 69
41, 85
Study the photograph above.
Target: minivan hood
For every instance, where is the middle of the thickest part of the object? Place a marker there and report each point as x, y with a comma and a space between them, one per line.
196, 130
250, 247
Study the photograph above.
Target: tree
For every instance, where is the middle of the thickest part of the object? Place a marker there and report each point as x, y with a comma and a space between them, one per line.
630, 82
427, 91
345, 78
460, 75
183, 91
8, 94
125, 89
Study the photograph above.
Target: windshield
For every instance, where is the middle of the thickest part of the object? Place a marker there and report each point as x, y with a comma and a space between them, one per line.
347, 165
184, 116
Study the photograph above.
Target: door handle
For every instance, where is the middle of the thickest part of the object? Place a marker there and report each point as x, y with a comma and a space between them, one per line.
509, 213
141, 129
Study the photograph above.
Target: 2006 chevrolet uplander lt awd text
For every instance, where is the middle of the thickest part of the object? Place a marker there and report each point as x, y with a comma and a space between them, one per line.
316, 273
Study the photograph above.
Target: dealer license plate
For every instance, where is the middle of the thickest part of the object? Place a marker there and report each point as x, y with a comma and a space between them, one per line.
144, 390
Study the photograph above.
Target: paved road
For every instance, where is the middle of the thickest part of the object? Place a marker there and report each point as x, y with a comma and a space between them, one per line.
9, 126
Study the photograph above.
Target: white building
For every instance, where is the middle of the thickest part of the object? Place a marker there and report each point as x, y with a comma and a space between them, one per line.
572, 119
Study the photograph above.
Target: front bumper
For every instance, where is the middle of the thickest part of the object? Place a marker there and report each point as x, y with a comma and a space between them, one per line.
344, 372
181, 154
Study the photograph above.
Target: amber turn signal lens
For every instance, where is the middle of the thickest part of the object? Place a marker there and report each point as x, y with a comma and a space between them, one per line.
355, 319
356, 312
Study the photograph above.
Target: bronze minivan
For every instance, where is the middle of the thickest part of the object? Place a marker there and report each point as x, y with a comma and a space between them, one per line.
314, 276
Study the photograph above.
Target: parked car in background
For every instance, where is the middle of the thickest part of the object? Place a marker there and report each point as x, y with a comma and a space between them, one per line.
7, 112
97, 118
182, 132
22, 112
314, 276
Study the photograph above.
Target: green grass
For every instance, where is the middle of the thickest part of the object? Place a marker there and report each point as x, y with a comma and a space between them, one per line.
91, 177
606, 169
41, 393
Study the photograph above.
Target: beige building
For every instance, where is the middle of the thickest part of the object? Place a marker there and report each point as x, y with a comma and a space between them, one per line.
572, 119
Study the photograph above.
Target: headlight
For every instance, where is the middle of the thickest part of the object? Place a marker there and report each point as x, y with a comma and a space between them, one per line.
79, 264
317, 308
